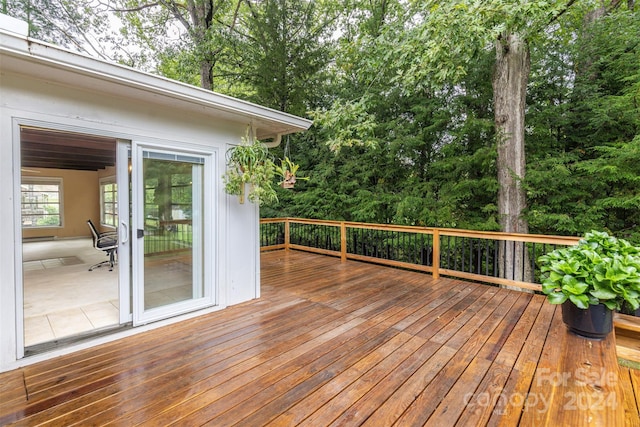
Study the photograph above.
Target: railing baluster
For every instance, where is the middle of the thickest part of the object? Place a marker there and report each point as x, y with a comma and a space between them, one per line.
533, 260
406, 243
513, 259
486, 258
524, 260
355, 241
455, 253
462, 252
479, 257
496, 257
470, 260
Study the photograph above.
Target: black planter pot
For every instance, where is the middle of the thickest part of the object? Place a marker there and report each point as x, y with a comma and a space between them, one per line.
596, 322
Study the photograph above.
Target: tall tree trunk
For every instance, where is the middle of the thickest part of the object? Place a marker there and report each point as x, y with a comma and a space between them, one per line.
206, 74
510, 79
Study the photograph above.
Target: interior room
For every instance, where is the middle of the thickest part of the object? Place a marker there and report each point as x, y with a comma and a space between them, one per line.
67, 179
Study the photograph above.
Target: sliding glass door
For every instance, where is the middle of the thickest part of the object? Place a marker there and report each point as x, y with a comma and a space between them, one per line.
169, 233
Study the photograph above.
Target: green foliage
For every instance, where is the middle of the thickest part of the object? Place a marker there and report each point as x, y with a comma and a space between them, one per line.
583, 145
80, 25
280, 51
450, 35
249, 164
604, 100
601, 269
288, 171
179, 65
347, 124
195, 34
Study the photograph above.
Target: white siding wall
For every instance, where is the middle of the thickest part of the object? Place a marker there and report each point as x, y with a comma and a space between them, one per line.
243, 244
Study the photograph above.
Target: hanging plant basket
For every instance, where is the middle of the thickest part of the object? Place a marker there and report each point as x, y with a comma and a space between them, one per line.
289, 180
251, 171
287, 170
249, 164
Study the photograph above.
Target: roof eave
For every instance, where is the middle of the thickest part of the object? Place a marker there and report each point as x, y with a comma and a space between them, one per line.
269, 123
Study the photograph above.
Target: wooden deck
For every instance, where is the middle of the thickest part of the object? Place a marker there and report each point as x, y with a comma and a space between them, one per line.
348, 344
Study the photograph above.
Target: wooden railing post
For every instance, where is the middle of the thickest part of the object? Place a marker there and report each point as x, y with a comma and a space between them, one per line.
343, 241
436, 253
287, 234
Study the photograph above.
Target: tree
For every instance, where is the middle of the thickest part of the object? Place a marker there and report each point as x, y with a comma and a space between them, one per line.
432, 142
510, 80
435, 46
198, 27
584, 175
81, 25
282, 51
511, 27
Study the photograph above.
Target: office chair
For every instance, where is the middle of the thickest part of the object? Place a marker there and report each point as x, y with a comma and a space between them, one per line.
106, 242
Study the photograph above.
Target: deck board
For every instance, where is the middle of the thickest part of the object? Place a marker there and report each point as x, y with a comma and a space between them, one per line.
631, 394
341, 344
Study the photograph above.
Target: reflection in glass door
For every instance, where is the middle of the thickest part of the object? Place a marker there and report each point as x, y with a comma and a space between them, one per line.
170, 275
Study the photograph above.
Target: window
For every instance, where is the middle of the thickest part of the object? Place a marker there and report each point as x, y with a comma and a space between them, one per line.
109, 202
41, 202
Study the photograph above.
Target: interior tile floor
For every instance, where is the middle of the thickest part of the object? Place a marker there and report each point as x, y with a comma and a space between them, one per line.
61, 297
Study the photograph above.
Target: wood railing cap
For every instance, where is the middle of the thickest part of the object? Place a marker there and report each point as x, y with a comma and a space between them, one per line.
454, 232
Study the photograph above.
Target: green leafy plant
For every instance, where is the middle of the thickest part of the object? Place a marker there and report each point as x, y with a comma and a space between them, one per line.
600, 269
249, 164
287, 170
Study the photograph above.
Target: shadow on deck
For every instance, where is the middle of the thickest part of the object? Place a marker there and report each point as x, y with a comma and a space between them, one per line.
332, 343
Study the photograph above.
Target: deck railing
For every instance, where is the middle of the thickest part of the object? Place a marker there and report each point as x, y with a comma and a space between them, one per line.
167, 236
490, 257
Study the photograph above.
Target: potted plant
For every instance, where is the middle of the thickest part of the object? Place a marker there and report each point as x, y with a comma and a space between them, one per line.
600, 274
287, 170
249, 164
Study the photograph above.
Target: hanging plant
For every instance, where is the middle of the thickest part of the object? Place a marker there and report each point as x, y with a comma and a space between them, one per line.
249, 165
287, 170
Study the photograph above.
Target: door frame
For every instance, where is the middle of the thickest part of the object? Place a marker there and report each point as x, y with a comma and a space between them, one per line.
123, 286
123, 157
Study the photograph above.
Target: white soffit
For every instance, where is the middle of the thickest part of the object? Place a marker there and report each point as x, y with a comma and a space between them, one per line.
27, 57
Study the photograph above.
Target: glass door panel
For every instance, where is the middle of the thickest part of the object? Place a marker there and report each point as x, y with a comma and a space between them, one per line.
170, 235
